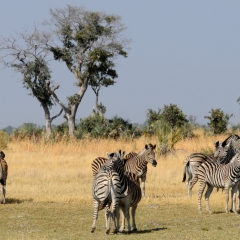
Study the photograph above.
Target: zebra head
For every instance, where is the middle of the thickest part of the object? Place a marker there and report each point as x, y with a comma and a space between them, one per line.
2, 155
149, 151
221, 150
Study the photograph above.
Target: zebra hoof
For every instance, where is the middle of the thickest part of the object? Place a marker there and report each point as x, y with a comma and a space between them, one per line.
92, 231
134, 230
115, 231
107, 231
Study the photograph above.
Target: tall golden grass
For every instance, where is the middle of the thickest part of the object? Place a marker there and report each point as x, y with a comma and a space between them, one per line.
61, 172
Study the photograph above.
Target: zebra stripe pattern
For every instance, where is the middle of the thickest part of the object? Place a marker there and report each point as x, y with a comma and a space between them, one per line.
213, 174
138, 164
107, 188
191, 165
3, 175
222, 154
113, 185
224, 151
100, 161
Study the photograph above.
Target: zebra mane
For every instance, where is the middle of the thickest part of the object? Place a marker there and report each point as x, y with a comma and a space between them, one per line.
2, 155
232, 137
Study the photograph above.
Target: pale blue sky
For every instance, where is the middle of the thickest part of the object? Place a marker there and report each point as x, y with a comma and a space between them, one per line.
182, 52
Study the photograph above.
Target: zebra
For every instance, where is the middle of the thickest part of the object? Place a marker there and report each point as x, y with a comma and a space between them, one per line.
98, 162
138, 164
193, 161
214, 174
113, 185
107, 188
131, 164
3, 175
131, 200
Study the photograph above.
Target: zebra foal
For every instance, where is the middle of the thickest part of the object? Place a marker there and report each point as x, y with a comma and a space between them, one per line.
3, 175
213, 174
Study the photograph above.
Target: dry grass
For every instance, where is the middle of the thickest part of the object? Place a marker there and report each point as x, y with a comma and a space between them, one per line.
52, 177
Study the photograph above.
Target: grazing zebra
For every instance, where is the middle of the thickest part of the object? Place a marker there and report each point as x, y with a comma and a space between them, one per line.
138, 164
3, 175
213, 174
113, 185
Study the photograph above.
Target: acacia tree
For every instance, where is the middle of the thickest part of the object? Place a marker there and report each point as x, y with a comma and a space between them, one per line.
85, 41
218, 120
27, 55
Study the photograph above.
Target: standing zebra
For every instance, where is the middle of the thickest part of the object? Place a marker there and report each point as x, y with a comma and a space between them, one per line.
138, 164
193, 161
112, 185
107, 188
214, 174
3, 175
132, 163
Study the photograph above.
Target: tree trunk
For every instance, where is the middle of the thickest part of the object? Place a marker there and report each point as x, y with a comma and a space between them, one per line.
48, 121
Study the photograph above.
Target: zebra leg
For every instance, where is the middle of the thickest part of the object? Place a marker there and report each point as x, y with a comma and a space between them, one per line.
115, 215
134, 227
123, 220
233, 195
3, 194
127, 216
108, 216
143, 179
95, 215
202, 186
207, 196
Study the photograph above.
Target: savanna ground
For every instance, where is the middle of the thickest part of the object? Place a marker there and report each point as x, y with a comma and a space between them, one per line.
49, 194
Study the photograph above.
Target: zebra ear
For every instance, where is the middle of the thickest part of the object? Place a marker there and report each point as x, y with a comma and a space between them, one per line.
154, 146
146, 146
216, 144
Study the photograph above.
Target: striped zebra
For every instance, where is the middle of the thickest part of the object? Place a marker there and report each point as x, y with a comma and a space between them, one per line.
3, 175
108, 187
224, 151
213, 174
113, 185
138, 164
98, 162
133, 198
193, 161
131, 164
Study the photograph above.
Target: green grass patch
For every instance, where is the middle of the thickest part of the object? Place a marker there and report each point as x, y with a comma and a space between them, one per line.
29, 220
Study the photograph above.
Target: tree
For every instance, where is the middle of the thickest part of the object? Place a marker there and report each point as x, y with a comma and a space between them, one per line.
218, 121
30, 60
88, 43
170, 114
173, 116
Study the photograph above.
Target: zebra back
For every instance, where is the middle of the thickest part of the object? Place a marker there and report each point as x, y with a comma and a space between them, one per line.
217, 174
100, 161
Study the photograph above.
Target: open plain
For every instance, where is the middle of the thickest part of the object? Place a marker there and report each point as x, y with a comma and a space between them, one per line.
49, 193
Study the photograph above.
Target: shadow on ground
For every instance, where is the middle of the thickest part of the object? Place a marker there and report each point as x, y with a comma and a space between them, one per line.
17, 201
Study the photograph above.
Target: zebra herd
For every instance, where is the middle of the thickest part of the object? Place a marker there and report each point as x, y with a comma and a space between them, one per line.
220, 169
116, 182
